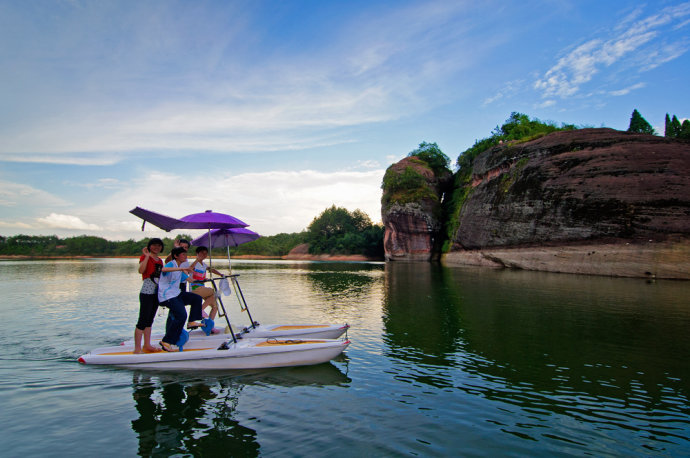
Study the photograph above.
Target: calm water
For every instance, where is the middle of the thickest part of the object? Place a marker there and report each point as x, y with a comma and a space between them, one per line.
443, 362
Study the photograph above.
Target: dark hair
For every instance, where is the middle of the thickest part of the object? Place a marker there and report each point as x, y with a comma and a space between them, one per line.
200, 249
183, 241
178, 250
155, 241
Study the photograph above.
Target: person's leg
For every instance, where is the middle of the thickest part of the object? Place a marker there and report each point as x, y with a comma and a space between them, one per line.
177, 316
209, 296
141, 321
194, 301
150, 309
138, 333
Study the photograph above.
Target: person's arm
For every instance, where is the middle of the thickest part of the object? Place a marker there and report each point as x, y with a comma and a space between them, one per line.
144, 262
216, 272
169, 268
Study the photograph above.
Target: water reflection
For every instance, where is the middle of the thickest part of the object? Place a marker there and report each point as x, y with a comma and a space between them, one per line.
337, 281
190, 416
181, 414
602, 351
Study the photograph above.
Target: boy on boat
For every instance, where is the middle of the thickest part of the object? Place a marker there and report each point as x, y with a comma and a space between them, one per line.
169, 294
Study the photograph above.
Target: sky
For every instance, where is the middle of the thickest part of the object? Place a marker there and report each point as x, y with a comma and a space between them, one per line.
273, 111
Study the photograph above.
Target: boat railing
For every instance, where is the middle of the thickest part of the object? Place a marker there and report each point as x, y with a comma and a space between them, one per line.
240, 299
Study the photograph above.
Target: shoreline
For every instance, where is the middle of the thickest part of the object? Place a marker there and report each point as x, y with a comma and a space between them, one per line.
301, 257
652, 260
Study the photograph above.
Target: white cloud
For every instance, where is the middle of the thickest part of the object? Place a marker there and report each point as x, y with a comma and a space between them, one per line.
580, 65
368, 69
270, 202
59, 221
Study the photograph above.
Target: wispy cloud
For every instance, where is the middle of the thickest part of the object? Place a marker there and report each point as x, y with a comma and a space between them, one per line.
507, 91
21, 195
627, 90
368, 70
580, 65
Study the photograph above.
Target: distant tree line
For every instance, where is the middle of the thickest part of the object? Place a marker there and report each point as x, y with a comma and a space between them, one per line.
335, 231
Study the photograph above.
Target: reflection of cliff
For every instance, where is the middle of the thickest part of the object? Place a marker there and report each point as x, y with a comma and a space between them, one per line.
602, 336
418, 313
182, 417
543, 340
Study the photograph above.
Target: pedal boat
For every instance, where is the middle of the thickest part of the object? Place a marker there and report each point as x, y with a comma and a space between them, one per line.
263, 331
243, 354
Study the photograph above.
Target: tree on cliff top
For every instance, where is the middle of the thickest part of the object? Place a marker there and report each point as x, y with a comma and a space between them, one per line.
433, 156
639, 124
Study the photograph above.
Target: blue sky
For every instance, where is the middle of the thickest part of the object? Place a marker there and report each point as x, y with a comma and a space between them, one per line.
273, 111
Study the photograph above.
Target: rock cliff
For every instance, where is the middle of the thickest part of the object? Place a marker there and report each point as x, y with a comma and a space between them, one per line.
411, 211
594, 201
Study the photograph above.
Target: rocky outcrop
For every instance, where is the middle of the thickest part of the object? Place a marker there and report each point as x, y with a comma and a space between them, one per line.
595, 201
411, 214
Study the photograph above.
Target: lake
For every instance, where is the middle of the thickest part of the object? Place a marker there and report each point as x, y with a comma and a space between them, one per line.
443, 362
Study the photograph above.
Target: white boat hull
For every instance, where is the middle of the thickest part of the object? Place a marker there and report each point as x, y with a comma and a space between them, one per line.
263, 331
245, 354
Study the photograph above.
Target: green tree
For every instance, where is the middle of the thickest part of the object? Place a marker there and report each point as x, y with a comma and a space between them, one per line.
639, 124
337, 230
675, 127
668, 127
684, 131
433, 156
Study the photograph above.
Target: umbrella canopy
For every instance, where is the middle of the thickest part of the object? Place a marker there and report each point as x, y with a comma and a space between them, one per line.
210, 220
205, 220
166, 223
226, 238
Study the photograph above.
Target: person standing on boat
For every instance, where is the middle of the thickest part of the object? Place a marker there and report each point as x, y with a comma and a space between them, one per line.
150, 266
184, 244
170, 296
198, 276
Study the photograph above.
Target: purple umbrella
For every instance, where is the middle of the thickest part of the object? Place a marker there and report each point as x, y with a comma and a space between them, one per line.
210, 220
226, 238
166, 223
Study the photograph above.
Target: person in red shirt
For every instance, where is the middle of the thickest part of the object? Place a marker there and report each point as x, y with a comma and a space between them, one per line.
150, 266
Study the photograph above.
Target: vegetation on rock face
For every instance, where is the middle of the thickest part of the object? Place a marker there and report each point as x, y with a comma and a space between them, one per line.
411, 185
517, 128
640, 125
339, 231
